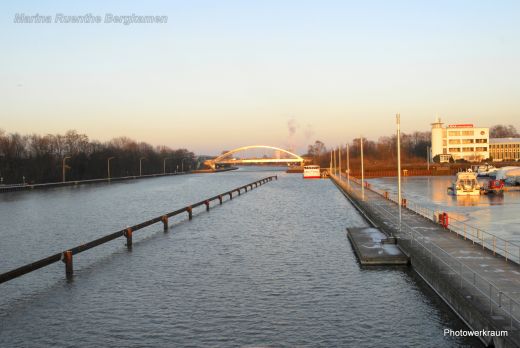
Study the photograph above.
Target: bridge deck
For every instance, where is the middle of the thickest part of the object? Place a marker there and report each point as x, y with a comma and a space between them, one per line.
469, 278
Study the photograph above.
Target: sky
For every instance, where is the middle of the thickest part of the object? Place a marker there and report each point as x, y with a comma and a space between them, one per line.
224, 74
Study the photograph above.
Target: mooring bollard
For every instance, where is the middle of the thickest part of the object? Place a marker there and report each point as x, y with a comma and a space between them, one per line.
207, 205
128, 234
190, 214
164, 220
67, 259
220, 199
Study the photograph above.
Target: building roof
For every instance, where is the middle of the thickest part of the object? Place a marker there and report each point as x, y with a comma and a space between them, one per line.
503, 140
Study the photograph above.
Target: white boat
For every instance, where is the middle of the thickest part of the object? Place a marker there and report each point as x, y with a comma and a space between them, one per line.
465, 185
311, 172
484, 169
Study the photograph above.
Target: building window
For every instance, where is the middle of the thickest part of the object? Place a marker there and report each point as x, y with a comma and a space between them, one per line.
467, 141
468, 149
468, 133
481, 141
481, 149
454, 149
453, 133
454, 141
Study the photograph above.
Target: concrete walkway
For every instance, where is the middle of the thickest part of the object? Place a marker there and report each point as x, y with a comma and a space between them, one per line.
469, 278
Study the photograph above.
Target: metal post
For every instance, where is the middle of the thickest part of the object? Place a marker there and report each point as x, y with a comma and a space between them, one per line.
330, 164
348, 167
334, 162
339, 160
63, 168
67, 259
362, 170
128, 235
108, 166
428, 158
399, 199
140, 166
164, 220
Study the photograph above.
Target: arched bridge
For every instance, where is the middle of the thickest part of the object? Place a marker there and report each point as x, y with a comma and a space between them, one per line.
280, 156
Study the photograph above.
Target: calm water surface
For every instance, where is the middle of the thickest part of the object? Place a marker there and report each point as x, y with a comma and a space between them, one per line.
497, 214
270, 268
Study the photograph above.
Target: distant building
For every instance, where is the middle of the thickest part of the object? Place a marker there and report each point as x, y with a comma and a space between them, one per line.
459, 141
504, 149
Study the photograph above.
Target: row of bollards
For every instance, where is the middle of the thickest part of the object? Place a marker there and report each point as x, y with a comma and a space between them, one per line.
67, 256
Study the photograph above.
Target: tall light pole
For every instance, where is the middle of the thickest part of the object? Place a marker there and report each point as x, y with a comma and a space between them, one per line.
182, 164
108, 166
428, 158
399, 199
140, 165
330, 165
63, 168
362, 170
164, 164
339, 159
334, 160
348, 167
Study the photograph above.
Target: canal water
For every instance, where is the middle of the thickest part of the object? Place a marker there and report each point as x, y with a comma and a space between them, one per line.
271, 268
493, 213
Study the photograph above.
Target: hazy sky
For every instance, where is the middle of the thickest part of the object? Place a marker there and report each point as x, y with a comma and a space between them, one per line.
222, 74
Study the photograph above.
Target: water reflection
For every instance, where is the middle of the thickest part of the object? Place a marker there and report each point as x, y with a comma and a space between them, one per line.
495, 213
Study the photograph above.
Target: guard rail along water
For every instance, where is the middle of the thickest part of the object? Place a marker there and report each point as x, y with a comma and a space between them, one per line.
67, 255
497, 245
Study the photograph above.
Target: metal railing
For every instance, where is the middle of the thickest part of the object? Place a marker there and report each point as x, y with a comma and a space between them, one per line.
481, 288
497, 245
66, 256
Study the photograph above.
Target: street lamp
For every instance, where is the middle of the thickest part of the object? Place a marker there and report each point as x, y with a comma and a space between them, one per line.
164, 164
140, 165
362, 170
63, 168
108, 166
399, 199
182, 164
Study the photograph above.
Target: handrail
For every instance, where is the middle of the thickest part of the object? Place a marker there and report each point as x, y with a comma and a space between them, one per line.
127, 232
498, 245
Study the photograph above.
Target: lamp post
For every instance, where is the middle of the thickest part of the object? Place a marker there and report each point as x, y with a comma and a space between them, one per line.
330, 165
428, 158
339, 160
141, 166
362, 170
164, 164
399, 199
348, 167
108, 166
63, 168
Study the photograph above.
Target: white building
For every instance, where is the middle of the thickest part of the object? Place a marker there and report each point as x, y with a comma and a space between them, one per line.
460, 141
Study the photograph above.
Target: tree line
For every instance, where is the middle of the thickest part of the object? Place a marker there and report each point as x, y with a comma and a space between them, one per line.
39, 158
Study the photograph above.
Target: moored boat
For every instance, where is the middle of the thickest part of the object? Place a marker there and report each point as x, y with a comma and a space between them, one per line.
466, 184
311, 172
